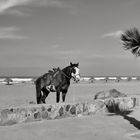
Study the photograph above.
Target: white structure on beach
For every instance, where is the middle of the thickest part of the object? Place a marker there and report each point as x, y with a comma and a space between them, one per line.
21, 80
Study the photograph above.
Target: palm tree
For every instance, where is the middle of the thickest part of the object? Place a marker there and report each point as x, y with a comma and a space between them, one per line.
131, 41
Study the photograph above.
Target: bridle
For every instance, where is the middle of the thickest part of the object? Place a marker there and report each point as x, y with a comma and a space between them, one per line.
65, 75
73, 77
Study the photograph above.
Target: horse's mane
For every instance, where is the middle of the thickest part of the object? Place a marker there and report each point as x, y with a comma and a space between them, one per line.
53, 70
71, 65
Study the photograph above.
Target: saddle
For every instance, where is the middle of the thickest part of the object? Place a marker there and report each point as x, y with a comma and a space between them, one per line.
53, 84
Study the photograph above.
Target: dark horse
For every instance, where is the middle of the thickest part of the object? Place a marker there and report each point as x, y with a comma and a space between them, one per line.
56, 80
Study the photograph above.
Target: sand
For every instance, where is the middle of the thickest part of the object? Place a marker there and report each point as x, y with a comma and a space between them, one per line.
95, 127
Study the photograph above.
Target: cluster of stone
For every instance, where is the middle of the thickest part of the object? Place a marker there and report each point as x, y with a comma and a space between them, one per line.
39, 112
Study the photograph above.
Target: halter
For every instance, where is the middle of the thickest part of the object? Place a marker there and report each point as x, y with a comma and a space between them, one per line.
62, 73
74, 78
65, 74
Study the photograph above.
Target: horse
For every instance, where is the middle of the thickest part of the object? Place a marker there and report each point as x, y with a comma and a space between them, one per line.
56, 80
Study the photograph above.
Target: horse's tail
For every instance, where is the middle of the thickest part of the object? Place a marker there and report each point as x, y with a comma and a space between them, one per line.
38, 90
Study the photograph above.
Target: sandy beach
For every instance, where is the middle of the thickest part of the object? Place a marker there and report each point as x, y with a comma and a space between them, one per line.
99, 126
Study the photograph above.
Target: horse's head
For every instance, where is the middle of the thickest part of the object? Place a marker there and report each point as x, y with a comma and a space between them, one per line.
75, 72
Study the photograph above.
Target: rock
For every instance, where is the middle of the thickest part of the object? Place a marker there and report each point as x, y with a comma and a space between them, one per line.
85, 108
79, 108
44, 114
37, 115
117, 105
99, 105
56, 112
61, 111
67, 108
126, 105
72, 110
7, 116
113, 93
91, 108
49, 109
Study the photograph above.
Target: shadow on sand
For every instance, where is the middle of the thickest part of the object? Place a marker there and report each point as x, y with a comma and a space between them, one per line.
132, 121
124, 114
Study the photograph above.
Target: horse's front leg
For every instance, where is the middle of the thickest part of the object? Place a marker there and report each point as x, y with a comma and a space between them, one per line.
57, 96
64, 92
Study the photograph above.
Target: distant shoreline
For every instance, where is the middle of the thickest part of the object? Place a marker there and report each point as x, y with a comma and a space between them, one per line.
81, 76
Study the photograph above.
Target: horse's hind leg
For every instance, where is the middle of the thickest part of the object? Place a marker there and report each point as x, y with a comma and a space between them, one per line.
38, 93
45, 94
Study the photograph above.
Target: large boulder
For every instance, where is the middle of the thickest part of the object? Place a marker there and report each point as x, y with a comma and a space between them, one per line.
113, 93
120, 105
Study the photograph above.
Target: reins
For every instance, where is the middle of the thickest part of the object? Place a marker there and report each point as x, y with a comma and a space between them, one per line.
59, 70
64, 74
68, 76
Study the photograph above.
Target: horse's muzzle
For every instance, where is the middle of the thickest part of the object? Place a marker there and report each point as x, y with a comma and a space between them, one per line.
76, 78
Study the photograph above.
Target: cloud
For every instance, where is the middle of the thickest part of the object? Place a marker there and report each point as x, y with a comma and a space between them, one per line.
9, 6
6, 4
10, 33
115, 34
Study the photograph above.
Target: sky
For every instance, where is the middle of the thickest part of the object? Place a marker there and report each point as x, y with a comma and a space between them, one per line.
37, 35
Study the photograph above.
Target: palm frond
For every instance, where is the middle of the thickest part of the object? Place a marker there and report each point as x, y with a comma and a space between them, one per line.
131, 41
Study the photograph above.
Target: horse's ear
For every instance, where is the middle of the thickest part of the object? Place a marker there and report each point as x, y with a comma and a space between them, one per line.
70, 63
78, 64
